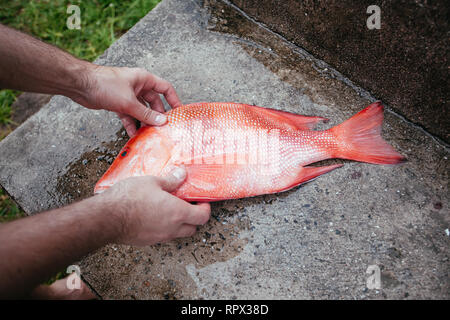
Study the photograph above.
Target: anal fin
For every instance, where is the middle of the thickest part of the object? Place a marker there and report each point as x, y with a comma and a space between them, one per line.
306, 174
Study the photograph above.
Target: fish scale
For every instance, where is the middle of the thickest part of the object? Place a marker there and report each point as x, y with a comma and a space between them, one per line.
233, 150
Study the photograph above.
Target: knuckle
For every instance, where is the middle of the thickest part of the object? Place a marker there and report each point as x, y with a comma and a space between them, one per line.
122, 108
179, 217
163, 182
201, 215
168, 88
136, 70
134, 75
144, 73
152, 179
205, 214
128, 73
204, 218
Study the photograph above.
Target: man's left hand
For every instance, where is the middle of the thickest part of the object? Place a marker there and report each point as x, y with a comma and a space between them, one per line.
124, 90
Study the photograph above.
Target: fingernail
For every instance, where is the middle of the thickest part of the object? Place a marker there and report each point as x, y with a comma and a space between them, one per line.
160, 119
179, 173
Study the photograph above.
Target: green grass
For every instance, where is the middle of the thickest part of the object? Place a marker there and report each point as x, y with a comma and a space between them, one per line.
7, 97
102, 22
8, 209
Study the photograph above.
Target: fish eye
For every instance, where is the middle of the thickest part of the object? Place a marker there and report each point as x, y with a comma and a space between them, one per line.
124, 152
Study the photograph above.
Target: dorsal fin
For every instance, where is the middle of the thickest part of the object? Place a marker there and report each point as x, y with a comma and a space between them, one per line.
296, 121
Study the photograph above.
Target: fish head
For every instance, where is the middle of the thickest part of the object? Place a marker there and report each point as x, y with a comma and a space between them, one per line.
144, 154
124, 166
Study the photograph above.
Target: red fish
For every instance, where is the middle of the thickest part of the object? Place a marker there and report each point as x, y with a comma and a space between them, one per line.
235, 150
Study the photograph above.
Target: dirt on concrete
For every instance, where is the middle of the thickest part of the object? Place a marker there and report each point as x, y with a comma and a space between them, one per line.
162, 267
81, 175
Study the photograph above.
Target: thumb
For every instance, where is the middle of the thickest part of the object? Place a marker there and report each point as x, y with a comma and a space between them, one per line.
174, 179
146, 115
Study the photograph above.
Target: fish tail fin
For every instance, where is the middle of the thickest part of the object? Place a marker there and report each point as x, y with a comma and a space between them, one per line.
359, 138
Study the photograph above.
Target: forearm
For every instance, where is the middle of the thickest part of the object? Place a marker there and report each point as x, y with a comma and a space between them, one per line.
29, 64
34, 248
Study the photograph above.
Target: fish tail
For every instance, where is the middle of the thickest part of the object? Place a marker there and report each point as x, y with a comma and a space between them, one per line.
359, 138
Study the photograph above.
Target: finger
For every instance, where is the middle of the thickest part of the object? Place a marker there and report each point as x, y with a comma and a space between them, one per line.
162, 86
198, 214
141, 100
173, 180
144, 114
155, 101
128, 123
145, 103
186, 230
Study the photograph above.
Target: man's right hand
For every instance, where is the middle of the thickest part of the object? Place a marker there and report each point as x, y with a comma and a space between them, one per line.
149, 214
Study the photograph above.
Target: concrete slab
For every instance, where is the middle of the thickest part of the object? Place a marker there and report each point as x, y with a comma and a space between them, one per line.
316, 241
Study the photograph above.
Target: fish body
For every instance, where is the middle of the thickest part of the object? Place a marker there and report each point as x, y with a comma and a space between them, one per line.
235, 150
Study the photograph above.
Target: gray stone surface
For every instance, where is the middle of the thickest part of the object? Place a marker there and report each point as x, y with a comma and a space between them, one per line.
315, 241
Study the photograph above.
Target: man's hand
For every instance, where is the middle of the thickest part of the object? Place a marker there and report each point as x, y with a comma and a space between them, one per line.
150, 214
124, 91
136, 211
28, 64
